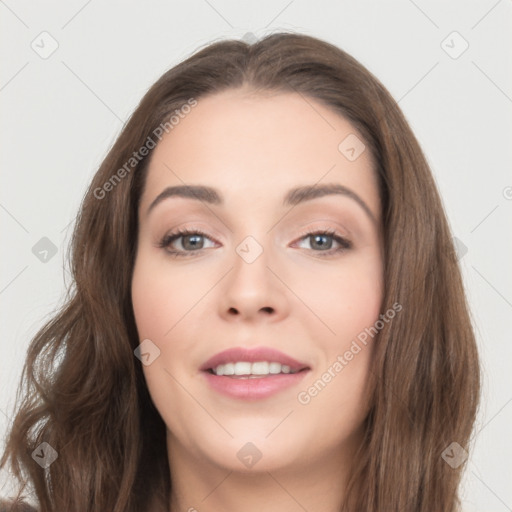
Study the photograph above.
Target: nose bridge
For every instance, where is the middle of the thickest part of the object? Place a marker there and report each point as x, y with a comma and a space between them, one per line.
250, 264
251, 248
252, 230
251, 286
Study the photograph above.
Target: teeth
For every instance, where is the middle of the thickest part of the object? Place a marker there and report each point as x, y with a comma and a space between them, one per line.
242, 368
274, 368
257, 368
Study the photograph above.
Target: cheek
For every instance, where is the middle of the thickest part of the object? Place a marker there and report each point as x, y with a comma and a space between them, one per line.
161, 297
359, 300
346, 298
349, 306
167, 301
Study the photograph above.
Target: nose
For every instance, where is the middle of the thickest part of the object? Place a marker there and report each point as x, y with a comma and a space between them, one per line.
253, 291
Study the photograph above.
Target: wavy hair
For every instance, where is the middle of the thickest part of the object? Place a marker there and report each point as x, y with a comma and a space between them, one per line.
82, 391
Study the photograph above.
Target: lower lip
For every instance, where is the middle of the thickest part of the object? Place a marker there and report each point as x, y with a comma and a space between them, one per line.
252, 389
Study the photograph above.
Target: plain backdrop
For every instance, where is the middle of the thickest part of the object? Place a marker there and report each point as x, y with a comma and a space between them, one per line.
72, 72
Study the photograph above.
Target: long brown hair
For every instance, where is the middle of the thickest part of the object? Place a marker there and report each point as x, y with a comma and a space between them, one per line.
82, 389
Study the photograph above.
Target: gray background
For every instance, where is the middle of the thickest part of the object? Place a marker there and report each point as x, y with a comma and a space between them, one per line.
61, 112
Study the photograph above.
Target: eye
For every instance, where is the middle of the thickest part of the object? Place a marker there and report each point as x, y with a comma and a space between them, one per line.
192, 242
323, 241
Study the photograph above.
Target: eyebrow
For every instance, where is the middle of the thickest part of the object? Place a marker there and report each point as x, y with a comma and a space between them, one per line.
293, 197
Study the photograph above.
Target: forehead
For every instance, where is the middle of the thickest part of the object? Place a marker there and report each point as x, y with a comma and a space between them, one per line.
258, 146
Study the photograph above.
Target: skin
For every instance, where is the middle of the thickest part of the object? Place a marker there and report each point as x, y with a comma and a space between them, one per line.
253, 148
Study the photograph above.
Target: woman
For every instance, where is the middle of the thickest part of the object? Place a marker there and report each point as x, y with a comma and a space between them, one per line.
267, 312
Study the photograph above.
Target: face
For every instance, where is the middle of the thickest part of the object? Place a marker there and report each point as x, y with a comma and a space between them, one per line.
288, 279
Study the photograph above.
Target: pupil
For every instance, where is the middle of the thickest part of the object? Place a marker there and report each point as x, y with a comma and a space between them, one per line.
315, 237
194, 244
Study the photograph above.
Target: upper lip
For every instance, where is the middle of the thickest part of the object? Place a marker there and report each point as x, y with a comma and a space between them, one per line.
233, 355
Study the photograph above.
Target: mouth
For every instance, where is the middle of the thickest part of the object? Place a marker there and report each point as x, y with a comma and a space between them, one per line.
256, 370
252, 374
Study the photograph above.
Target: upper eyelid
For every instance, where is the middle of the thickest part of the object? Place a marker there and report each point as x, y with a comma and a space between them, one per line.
318, 224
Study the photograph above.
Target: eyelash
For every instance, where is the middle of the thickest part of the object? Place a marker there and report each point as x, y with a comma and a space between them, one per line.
169, 238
